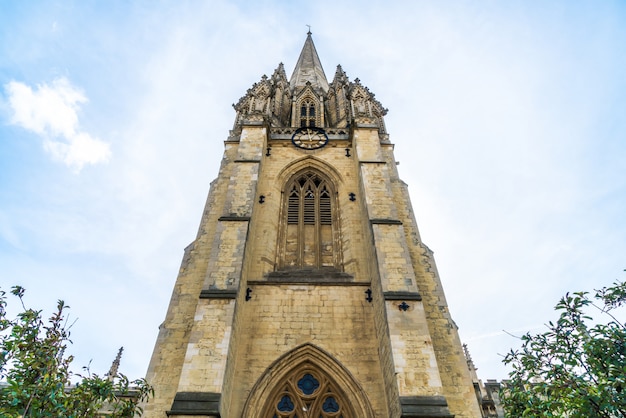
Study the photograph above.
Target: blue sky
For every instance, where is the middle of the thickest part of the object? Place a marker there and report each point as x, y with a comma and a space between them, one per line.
508, 120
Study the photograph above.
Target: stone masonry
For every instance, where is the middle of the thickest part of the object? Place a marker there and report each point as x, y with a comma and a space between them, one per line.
247, 335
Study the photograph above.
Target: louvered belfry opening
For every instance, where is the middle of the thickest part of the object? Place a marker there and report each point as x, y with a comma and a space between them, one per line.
307, 113
309, 231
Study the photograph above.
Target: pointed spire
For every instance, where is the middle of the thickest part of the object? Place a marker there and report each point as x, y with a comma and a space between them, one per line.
112, 374
340, 74
309, 68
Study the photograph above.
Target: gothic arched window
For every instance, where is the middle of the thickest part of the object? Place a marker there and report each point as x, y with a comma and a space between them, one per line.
307, 113
309, 230
307, 382
308, 393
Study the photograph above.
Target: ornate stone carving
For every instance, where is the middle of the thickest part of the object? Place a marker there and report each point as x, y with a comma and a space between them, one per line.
339, 104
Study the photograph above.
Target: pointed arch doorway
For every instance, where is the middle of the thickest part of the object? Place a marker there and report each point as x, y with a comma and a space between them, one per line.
307, 382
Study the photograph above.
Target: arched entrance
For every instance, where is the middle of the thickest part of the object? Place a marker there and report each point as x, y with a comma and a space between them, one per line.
307, 383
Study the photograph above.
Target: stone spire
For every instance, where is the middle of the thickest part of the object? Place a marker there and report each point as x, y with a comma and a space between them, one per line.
309, 68
112, 374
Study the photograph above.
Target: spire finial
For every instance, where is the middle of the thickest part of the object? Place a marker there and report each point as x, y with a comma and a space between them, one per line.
112, 374
308, 67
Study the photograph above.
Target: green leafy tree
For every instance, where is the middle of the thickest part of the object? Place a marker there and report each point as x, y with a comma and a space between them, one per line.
577, 368
35, 375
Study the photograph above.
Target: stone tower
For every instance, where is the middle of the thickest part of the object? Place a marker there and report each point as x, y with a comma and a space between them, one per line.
308, 291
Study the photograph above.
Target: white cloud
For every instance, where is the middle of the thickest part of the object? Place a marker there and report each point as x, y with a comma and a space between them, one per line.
81, 149
48, 109
52, 112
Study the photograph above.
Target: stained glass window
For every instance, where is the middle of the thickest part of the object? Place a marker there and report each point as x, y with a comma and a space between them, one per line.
308, 393
308, 384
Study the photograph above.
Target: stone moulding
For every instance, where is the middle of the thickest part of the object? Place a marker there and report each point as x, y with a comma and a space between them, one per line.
218, 294
331, 137
234, 218
196, 403
385, 222
424, 407
402, 296
310, 275
311, 282
372, 162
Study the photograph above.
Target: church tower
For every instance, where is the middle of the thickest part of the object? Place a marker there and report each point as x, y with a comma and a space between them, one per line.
308, 291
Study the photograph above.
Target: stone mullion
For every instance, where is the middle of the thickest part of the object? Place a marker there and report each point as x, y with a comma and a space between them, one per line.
300, 258
318, 232
335, 225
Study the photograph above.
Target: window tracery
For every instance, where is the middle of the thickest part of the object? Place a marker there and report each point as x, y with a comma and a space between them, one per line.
307, 113
309, 230
307, 393
330, 391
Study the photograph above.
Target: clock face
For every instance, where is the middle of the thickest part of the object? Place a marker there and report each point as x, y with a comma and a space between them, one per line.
309, 138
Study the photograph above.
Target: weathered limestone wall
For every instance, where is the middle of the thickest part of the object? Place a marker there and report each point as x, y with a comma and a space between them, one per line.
171, 346
226, 255
205, 363
454, 373
415, 363
279, 318
191, 350
205, 359
215, 340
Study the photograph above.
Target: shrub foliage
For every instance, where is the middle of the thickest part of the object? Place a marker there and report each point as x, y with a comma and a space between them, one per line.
35, 375
577, 368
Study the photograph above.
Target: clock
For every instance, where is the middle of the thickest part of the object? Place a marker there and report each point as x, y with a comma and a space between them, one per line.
309, 138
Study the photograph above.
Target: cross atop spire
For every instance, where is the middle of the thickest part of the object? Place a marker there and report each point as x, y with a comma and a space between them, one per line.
309, 68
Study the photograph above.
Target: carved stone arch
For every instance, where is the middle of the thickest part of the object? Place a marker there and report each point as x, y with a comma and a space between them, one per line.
261, 95
312, 162
292, 255
307, 364
360, 100
308, 109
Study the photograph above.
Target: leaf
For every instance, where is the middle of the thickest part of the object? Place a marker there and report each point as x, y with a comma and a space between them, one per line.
37, 370
577, 368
